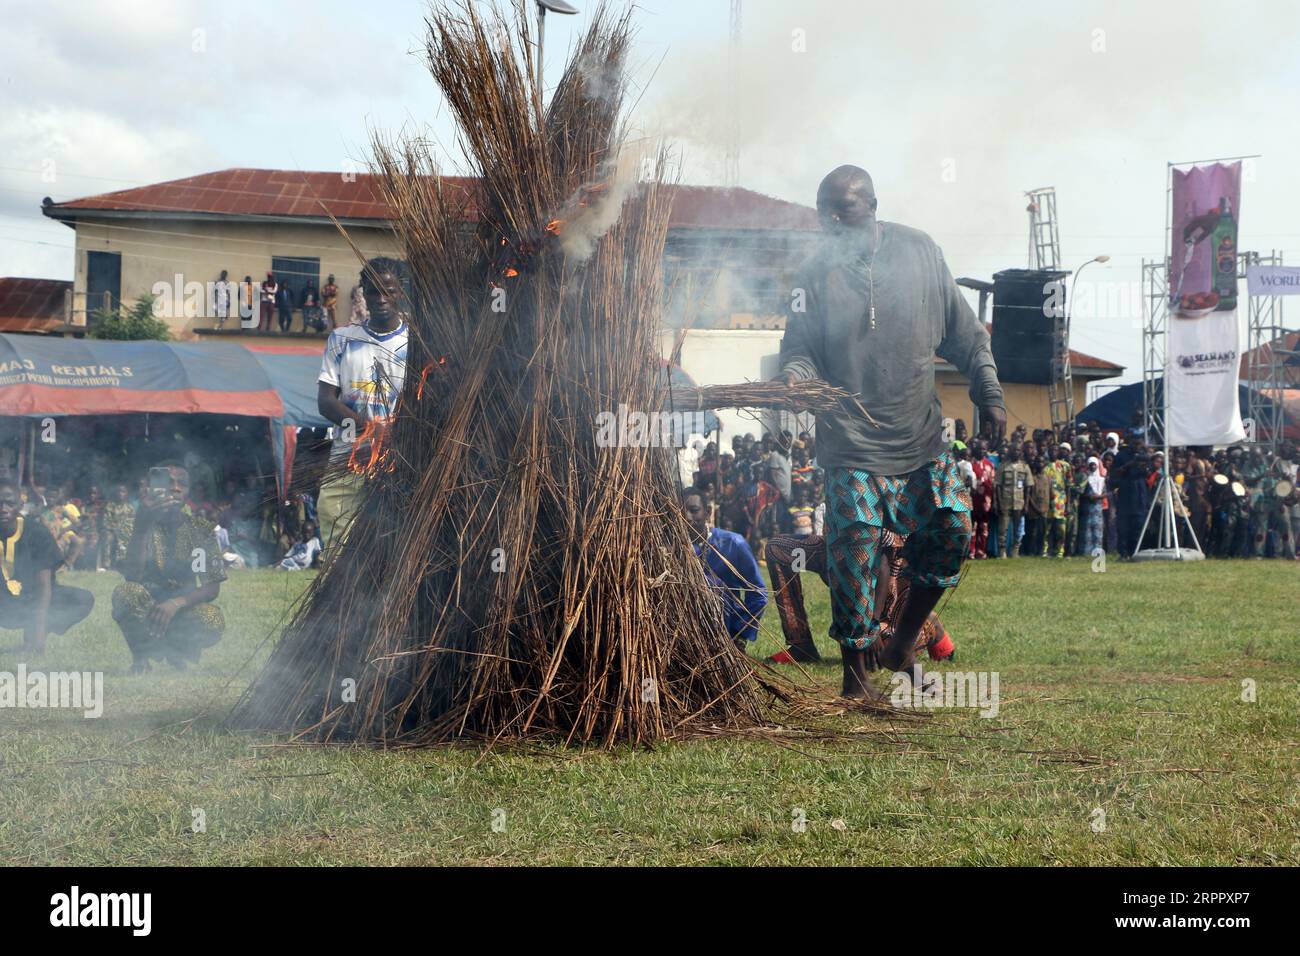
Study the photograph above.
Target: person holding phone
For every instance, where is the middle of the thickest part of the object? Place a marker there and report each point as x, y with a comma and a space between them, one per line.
173, 570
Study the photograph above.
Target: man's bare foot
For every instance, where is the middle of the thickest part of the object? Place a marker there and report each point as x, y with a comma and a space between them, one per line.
899, 654
857, 685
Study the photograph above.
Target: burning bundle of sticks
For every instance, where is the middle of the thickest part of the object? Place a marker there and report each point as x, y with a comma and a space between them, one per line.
812, 395
506, 575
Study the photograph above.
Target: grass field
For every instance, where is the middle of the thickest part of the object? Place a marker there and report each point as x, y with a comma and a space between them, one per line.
1121, 694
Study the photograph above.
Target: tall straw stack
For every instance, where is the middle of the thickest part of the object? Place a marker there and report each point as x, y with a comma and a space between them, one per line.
505, 576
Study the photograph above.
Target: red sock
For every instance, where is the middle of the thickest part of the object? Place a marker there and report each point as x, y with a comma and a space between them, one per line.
941, 649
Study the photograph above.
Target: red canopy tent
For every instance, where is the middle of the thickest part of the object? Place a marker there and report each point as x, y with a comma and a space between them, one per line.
49, 377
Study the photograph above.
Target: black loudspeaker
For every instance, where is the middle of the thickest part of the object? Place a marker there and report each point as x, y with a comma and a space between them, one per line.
1026, 304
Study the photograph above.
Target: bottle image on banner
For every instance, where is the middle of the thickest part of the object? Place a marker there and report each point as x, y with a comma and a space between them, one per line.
1223, 243
1201, 236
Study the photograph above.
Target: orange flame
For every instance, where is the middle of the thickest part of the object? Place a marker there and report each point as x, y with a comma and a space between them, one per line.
511, 271
553, 227
424, 374
373, 439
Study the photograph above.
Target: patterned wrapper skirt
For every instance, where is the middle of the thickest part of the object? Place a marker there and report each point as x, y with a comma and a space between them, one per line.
789, 554
929, 507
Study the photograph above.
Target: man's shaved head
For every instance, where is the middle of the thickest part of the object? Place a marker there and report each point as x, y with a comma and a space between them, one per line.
843, 178
846, 200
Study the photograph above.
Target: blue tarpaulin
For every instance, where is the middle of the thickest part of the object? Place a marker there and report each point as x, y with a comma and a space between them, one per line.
1115, 410
41, 376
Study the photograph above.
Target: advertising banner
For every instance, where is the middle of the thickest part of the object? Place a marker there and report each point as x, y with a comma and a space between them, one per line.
1204, 342
1273, 280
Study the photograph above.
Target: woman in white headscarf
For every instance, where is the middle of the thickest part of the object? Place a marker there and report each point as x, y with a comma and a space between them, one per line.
1090, 517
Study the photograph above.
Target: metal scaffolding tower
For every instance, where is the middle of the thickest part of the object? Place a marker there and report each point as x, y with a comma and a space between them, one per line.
1266, 374
1044, 239
1045, 253
1155, 286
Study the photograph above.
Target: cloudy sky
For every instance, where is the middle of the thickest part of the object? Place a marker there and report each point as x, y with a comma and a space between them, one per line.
956, 108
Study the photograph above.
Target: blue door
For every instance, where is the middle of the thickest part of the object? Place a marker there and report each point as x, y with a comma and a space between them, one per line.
103, 274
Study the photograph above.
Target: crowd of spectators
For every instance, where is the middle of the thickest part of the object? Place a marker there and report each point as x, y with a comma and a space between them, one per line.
1089, 491
93, 530
169, 538
90, 511
1040, 494
272, 302
762, 487
1083, 492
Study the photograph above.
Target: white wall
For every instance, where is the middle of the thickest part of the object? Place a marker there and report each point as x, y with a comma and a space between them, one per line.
154, 251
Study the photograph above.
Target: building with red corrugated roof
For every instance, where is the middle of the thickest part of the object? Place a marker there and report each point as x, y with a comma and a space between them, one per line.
728, 251
728, 261
33, 305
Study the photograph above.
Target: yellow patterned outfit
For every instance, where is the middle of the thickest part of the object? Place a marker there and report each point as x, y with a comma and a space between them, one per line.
168, 556
115, 523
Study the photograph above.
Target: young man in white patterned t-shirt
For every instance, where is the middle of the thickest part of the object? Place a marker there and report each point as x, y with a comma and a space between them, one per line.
360, 381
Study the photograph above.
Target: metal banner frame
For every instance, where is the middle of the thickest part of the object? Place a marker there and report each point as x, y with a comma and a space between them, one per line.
1265, 329
1155, 354
1155, 286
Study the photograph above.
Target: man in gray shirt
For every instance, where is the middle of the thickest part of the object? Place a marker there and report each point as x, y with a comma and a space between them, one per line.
869, 312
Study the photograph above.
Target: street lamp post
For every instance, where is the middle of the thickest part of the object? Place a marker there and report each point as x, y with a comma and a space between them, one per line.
554, 6
1065, 358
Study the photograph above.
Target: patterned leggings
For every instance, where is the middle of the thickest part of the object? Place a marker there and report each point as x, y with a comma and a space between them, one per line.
808, 552
930, 507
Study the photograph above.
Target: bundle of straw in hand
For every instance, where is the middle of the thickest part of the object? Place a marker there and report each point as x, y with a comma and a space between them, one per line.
812, 395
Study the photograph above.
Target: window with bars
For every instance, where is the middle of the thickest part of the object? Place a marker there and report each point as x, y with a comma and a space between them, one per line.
295, 273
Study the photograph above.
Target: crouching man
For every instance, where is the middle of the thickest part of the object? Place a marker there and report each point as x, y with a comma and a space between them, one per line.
31, 600
173, 570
